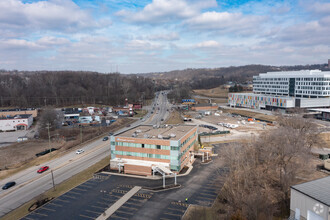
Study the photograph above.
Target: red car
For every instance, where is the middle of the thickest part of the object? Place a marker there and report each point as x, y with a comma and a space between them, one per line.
43, 169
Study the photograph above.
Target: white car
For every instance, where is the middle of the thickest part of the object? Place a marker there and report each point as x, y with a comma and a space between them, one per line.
80, 151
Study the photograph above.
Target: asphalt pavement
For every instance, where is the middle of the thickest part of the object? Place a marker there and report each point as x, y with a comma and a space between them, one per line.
92, 198
29, 184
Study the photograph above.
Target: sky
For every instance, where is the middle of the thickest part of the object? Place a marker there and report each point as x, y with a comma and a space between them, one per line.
161, 35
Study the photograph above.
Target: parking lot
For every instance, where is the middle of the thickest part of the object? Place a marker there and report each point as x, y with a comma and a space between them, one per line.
92, 198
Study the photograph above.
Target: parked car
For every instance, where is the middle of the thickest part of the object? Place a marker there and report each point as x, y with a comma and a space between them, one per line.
8, 185
80, 151
105, 138
110, 133
43, 169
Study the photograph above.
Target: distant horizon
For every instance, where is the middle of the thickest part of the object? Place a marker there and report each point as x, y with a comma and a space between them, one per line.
22, 70
161, 35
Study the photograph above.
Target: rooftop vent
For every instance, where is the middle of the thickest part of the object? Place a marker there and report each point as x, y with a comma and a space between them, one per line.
138, 131
172, 135
134, 135
160, 136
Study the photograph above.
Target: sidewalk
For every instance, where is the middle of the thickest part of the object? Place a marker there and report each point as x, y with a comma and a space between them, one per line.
119, 203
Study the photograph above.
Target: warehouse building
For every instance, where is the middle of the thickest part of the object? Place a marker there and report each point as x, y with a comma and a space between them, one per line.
17, 122
18, 111
311, 200
146, 148
282, 90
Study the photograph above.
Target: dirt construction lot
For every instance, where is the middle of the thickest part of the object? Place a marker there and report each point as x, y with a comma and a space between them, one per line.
244, 130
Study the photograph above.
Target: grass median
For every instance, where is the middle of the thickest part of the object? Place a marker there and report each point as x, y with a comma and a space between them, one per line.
60, 189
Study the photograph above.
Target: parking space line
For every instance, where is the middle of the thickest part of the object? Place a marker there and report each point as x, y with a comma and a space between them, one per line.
94, 212
116, 216
128, 213
52, 203
208, 194
48, 209
181, 210
126, 207
86, 216
83, 190
88, 187
166, 213
71, 197
204, 198
103, 203
62, 200
135, 204
74, 192
40, 214
98, 207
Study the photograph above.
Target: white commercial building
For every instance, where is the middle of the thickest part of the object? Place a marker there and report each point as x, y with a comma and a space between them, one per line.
311, 200
18, 122
272, 90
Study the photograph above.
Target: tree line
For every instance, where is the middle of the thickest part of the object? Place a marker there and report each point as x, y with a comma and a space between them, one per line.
62, 88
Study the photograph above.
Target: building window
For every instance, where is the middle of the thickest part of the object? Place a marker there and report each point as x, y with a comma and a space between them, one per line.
158, 147
142, 145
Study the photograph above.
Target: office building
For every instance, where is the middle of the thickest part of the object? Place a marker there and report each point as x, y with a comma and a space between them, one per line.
140, 149
290, 89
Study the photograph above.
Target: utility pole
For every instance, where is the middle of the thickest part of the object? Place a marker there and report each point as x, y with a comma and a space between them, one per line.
48, 126
51, 171
81, 139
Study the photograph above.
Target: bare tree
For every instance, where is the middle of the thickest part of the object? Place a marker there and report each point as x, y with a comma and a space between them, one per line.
261, 172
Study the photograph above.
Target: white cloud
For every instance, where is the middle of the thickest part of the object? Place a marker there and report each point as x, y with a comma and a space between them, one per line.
162, 11
226, 22
59, 15
164, 37
210, 43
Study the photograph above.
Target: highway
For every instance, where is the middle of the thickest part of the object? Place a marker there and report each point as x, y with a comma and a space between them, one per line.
30, 184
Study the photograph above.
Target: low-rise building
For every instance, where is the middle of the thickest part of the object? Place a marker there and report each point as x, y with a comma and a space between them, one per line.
311, 200
17, 122
141, 148
18, 111
204, 107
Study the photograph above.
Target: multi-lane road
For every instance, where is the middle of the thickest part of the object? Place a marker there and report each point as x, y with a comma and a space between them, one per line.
30, 184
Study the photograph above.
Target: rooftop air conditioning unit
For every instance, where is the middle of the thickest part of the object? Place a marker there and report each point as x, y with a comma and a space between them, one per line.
138, 131
172, 135
160, 136
134, 135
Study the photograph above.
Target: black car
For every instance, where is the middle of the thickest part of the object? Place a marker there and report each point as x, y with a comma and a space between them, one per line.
8, 185
105, 138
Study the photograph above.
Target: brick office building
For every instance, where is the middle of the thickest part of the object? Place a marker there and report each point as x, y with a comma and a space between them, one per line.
139, 149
